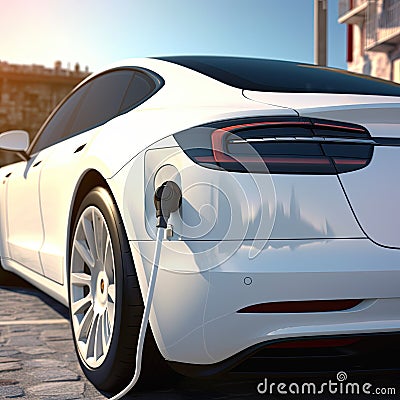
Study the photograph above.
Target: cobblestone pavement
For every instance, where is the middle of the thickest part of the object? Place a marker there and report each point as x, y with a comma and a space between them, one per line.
38, 361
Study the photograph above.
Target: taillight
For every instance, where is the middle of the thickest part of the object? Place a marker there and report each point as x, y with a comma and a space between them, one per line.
283, 146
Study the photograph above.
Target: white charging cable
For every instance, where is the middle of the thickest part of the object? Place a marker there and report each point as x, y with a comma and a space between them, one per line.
167, 199
146, 314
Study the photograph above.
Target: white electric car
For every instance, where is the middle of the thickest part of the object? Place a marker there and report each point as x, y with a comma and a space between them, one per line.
287, 239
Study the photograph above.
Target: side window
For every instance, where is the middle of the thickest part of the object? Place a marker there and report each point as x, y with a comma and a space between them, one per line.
140, 87
59, 125
102, 101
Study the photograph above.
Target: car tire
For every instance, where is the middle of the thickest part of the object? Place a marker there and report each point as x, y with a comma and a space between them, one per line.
106, 305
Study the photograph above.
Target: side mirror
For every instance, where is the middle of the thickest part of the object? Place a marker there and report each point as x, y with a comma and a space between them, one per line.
14, 141
17, 141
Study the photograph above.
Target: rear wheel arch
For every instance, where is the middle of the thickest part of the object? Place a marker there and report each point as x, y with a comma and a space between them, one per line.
89, 181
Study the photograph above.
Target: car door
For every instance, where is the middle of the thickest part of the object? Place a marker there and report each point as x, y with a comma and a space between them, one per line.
25, 231
68, 162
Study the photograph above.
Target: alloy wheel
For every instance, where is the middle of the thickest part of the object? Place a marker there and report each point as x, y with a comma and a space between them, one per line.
92, 287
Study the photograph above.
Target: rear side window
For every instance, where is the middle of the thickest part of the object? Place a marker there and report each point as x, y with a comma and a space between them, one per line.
102, 101
140, 88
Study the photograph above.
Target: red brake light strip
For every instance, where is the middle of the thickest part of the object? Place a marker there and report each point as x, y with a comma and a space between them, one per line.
347, 128
344, 161
269, 160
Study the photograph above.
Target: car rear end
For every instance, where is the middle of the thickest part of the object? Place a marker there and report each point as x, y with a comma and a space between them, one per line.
287, 234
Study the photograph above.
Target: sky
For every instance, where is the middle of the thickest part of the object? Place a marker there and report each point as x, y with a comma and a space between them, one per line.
97, 32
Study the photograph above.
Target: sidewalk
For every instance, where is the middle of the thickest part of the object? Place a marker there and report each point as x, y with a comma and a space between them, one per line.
37, 356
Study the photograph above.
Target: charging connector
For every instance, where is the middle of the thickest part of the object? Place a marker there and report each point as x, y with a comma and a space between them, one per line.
167, 199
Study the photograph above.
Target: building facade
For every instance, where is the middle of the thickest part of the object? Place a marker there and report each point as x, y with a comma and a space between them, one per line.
373, 36
28, 93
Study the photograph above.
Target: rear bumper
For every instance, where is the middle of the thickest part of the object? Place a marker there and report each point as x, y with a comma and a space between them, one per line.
195, 318
317, 355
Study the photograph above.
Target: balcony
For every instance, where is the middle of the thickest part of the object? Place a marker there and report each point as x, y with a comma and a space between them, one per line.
383, 25
352, 11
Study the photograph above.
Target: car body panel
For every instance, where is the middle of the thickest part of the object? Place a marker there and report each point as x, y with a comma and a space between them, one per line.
285, 270
374, 199
24, 220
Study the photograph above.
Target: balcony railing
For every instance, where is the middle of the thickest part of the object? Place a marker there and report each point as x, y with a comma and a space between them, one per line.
383, 25
346, 6
351, 10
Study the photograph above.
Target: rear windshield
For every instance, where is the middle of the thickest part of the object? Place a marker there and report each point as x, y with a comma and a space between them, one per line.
284, 76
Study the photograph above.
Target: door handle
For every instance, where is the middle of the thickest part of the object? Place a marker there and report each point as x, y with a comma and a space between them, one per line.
7, 176
81, 147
